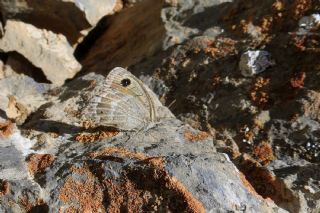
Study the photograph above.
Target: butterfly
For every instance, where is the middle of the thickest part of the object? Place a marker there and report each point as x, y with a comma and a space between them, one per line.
125, 103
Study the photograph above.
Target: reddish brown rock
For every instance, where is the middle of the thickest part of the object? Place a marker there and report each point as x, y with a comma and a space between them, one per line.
4, 187
37, 163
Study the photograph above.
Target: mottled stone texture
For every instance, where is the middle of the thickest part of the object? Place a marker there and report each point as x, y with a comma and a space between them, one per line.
169, 167
239, 143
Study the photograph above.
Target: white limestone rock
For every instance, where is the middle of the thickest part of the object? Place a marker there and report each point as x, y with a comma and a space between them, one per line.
44, 49
254, 62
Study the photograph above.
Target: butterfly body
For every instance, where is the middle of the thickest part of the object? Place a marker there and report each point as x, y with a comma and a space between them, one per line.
123, 102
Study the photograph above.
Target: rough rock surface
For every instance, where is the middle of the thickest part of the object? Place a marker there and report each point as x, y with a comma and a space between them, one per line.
69, 17
20, 96
274, 116
123, 32
188, 53
47, 34
129, 31
73, 168
46, 50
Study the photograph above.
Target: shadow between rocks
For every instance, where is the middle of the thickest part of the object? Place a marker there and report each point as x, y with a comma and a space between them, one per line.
59, 17
42, 208
3, 114
73, 88
121, 33
22, 65
50, 126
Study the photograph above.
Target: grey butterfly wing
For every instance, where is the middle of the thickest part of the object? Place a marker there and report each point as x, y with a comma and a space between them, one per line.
121, 102
145, 95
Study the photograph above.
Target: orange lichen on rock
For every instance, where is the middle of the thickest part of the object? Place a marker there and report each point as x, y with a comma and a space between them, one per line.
299, 7
221, 47
37, 163
142, 187
258, 95
248, 185
92, 137
150, 189
264, 182
25, 202
125, 192
190, 136
263, 152
120, 152
6, 129
298, 81
260, 178
4, 187
82, 195
193, 204
125, 153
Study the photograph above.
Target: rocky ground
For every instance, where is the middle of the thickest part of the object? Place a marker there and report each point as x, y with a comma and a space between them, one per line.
242, 78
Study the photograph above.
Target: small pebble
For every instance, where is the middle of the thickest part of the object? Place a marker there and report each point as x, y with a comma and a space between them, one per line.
254, 62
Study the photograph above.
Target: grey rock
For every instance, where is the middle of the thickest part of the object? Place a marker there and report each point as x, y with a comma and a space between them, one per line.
22, 190
254, 62
168, 160
304, 178
186, 19
307, 23
212, 94
199, 80
27, 92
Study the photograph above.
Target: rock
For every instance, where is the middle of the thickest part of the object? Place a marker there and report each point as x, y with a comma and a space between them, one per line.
16, 64
133, 32
254, 62
307, 23
69, 18
6, 129
22, 194
188, 53
304, 178
185, 19
44, 49
16, 111
107, 167
272, 116
20, 96
213, 32
162, 25
94, 11
46, 35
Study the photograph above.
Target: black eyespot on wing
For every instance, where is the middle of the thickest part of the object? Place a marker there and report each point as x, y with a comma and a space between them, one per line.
125, 82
